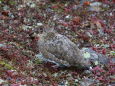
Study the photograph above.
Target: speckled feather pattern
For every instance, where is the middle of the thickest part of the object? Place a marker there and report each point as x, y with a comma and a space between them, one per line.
60, 49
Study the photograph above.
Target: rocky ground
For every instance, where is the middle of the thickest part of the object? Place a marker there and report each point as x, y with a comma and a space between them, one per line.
89, 24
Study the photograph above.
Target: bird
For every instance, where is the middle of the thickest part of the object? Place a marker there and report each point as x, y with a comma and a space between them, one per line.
60, 49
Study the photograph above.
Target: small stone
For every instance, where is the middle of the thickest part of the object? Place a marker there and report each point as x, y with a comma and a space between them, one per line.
2, 45
95, 6
76, 80
66, 83
39, 24
5, 85
11, 15
55, 74
86, 82
101, 32
25, 27
86, 72
111, 14
68, 16
31, 4
105, 45
1, 80
89, 34
96, 62
23, 85
112, 52
75, 7
6, 7
86, 55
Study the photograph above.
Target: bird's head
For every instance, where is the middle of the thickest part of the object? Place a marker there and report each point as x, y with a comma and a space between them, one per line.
46, 34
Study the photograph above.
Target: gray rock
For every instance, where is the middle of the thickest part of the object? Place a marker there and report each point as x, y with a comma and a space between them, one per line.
2, 45
87, 82
95, 56
113, 60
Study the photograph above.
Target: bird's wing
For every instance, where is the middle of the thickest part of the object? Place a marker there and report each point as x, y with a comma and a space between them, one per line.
53, 57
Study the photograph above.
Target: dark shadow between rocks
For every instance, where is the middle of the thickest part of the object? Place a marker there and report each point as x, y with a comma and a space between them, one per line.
51, 67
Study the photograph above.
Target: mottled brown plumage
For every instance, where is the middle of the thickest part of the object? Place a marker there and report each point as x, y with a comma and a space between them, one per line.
60, 49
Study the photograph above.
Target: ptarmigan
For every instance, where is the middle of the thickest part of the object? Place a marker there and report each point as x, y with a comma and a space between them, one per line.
60, 49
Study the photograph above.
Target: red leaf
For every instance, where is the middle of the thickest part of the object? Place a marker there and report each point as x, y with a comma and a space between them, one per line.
65, 24
76, 20
112, 46
54, 6
67, 10
100, 78
113, 1
108, 30
87, 3
104, 51
5, 13
94, 48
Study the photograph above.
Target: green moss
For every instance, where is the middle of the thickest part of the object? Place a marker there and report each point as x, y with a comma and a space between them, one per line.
1, 0
112, 53
37, 61
12, 2
6, 65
